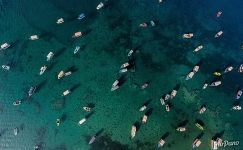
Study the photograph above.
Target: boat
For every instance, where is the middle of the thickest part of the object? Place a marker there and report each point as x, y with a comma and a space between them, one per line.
161, 143
145, 85
160, 1
81, 16
99, 6
152, 23
93, 138
195, 69
60, 74
205, 86
214, 145
196, 143
143, 108
33, 37
124, 65
65, 93
173, 94
228, 69
217, 73
123, 70
181, 129
88, 109
68, 73
237, 107
60, 21
167, 107
77, 48
82, 121
219, 13
130, 53
143, 25
162, 101
5, 67
133, 131
17, 102
16, 131
202, 110
238, 94
187, 35
167, 96
216, 83
240, 68
144, 119
31, 91
190, 75
199, 126
58, 121
49, 56
198, 48
115, 85
218, 34
4, 46
77, 34
42, 70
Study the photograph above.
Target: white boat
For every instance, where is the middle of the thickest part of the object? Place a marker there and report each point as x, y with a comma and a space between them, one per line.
60, 21
33, 37
5, 67
195, 69
196, 143
202, 110
162, 101
160, 1
198, 48
16, 103
93, 138
77, 48
58, 121
167, 107
240, 68
218, 34
190, 75
100, 5
144, 119
65, 93
115, 85
49, 56
4, 46
228, 69
82, 121
130, 53
16, 131
173, 94
123, 70
187, 35
88, 109
42, 69
143, 108
133, 131
214, 145
124, 65
205, 86
217, 83
31, 91
60, 74
68, 73
181, 129
237, 107
161, 143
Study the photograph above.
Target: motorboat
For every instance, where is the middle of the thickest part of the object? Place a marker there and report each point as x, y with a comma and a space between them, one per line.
152, 23
77, 48
237, 107
181, 129
77, 34
195, 69
202, 110
68, 73
60, 74
130, 53
199, 126
167, 97
238, 94
58, 121
60, 21
198, 48
4, 46
31, 91
125, 65
190, 75
5, 67
218, 34
219, 13
81, 16
33, 37
17, 102
42, 69
228, 69
49, 56
173, 94
161, 143
100, 5
65, 93
214, 145
82, 121
143, 25
115, 85
167, 107
133, 131
162, 101
93, 138
160, 1
240, 69
187, 35
88, 109
217, 73
144, 119
16, 131
205, 86
145, 85
143, 108
196, 143
123, 70
216, 83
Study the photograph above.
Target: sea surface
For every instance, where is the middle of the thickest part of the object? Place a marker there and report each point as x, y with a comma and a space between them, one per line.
162, 57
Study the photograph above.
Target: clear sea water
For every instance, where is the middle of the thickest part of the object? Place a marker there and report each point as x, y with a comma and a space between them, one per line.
162, 57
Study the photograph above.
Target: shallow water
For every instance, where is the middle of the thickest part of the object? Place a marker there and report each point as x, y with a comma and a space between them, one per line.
162, 57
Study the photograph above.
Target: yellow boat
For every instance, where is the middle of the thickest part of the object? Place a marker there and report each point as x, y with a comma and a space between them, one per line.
217, 73
199, 126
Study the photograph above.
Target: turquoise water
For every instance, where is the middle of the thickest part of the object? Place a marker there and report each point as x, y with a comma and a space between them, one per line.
162, 57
